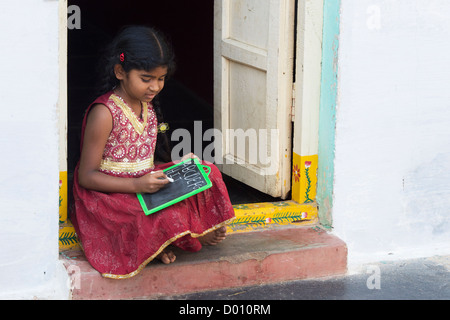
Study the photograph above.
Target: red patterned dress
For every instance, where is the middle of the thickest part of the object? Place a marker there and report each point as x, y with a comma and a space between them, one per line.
118, 239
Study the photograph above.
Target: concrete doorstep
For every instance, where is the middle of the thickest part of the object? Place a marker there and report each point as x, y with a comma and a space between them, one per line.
243, 259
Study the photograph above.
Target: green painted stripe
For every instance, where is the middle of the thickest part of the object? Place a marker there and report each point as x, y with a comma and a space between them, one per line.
327, 120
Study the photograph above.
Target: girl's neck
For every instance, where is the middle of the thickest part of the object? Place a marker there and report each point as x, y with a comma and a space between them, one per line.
133, 103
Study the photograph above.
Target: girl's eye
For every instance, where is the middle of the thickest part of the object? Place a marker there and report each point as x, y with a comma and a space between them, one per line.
148, 80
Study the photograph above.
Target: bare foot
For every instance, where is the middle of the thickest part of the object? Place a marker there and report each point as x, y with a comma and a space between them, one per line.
214, 237
166, 257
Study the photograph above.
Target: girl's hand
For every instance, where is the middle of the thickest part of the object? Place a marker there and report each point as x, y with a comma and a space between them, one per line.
151, 182
189, 156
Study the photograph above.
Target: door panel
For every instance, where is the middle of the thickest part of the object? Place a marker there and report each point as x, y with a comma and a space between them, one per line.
248, 22
254, 49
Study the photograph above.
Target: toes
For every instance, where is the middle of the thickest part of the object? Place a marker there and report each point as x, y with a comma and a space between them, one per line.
171, 256
221, 234
215, 237
167, 257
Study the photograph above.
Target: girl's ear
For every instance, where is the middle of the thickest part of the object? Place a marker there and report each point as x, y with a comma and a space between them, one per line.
119, 72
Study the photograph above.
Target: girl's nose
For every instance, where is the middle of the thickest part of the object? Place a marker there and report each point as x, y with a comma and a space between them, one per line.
154, 86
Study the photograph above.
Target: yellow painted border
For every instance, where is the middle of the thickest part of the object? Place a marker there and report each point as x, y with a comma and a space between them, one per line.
304, 178
67, 237
260, 216
62, 196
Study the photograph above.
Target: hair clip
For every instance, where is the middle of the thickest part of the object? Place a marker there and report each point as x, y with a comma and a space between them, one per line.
122, 57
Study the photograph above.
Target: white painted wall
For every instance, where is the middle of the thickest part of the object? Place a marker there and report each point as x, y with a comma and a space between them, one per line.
29, 87
392, 163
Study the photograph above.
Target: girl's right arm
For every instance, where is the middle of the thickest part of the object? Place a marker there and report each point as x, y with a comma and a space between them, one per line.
98, 128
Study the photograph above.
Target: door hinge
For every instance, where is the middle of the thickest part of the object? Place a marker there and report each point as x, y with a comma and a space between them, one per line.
293, 103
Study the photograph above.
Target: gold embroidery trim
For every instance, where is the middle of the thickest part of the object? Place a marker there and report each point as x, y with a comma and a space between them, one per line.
126, 167
137, 125
165, 245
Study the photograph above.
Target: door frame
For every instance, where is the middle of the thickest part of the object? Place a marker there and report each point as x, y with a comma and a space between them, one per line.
329, 91
316, 93
314, 110
307, 89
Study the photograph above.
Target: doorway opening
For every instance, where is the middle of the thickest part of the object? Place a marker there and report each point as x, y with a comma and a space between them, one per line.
187, 96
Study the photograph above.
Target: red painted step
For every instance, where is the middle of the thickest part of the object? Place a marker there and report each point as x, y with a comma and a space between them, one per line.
244, 259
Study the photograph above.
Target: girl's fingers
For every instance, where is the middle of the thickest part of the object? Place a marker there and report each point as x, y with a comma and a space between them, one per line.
189, 156
160, 178
157, 174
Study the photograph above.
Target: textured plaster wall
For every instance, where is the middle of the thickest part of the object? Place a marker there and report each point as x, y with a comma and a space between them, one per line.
392, 156
29, 87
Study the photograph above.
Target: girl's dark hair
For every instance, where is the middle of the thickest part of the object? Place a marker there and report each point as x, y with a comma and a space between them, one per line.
141, 48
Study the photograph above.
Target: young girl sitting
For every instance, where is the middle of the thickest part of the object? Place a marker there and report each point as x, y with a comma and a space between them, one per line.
118, 144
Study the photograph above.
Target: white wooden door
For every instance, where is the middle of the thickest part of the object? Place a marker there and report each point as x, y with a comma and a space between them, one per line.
254, 52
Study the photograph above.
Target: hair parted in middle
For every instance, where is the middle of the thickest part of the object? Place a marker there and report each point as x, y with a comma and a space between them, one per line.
135, 47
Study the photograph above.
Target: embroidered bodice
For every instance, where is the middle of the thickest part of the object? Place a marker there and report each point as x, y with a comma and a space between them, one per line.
129, 150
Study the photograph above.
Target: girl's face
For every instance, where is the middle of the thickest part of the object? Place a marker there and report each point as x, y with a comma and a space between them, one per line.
143, 85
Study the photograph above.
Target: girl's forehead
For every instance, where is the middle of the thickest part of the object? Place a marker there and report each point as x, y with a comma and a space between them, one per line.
161, 70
